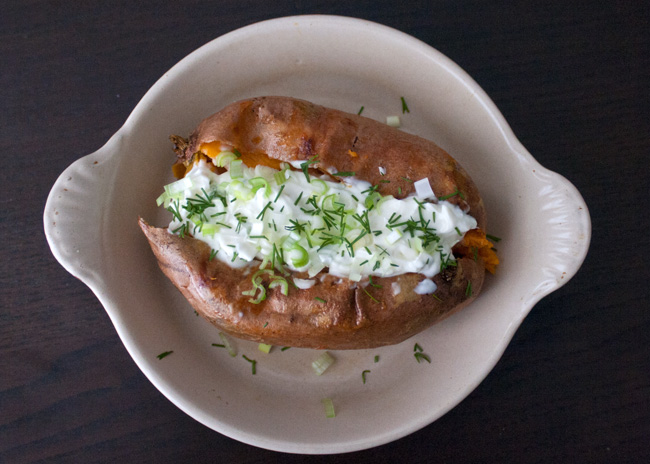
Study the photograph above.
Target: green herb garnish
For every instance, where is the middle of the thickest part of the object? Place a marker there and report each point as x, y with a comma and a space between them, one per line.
252, 361
457, 192
164, 354
492, 237
405, 108
305, 166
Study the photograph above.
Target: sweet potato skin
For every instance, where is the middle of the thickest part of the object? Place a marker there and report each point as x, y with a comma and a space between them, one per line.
354, 315
289, 129
349, 319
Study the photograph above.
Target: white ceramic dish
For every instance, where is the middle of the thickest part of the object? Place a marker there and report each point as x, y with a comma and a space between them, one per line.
91, 214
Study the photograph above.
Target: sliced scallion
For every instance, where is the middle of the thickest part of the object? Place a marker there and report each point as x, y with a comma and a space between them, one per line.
322, 363
327, 402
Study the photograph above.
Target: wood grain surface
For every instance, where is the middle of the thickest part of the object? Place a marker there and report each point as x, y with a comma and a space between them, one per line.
571, 78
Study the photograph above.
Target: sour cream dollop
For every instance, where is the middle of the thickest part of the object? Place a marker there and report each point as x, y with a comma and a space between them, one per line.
301, 222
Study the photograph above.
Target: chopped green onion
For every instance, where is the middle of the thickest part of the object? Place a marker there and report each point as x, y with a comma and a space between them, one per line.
258, 183
280, 282
298, 255
393, 121
327, 402
236, 169
320, 186
264, 348
280, 177
322, 363
231, 349
223, 158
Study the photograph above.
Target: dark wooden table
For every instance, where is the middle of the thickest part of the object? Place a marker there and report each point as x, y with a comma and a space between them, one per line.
571, 78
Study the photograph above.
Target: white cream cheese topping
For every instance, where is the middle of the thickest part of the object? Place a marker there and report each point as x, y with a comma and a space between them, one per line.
293, 220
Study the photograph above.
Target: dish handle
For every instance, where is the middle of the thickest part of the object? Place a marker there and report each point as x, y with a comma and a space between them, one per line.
74, 215
566, 231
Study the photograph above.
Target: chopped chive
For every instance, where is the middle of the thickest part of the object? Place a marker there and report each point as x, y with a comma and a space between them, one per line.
164, 355
236, 152
213, 253
370, 296
305, 166
492, 237
263, 212
405, 108
285, 348
457, 192
320, 299
417, 348
377, 358
363, 375
468, 290
458, 231
344, 174
252, 361
219, 345
279, 193
422, 356
406, 179
297, 199
360, 110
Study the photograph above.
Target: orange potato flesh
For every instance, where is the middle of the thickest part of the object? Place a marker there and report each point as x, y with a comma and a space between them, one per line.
250, 159
475, 243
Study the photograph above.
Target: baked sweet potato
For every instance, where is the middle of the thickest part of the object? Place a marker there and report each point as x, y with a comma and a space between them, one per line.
335, 312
